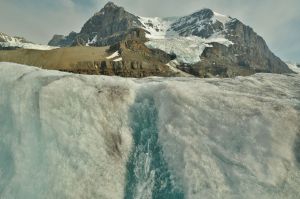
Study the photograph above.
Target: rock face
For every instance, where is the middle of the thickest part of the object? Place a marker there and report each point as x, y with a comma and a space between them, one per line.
249, 51
190, 25
60, 40
108, 26
247, 55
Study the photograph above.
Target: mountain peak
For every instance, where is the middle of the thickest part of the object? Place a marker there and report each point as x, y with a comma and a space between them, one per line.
110, 24
108, 8
110, 4
203, 13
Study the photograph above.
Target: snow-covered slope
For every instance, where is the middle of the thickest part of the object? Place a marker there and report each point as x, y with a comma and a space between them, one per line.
294, 67
158, 28
8, 41
74, 136
7, 38
188, 36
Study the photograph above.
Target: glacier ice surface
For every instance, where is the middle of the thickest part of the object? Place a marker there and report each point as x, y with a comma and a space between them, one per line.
65, 135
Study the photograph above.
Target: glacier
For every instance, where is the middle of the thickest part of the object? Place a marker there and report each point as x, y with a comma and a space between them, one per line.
66, 135
162, 34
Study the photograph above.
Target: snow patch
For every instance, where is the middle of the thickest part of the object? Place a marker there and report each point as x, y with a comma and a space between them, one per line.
93, 41
118, 59
221, 18
115, 54
293, 67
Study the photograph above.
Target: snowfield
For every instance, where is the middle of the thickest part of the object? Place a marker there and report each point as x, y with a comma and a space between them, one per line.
294, 67
66, 135
20, 43
188, 48
27, 45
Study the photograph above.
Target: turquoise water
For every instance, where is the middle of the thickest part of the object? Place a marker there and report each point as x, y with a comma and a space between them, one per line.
147, 171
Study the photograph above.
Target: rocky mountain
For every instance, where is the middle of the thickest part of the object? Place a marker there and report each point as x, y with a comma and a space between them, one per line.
203, 23
61, 40
248, 52
108, 26
203, 44
6, 38
11, 43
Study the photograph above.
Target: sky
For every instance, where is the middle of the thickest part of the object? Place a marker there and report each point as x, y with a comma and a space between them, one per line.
277, 21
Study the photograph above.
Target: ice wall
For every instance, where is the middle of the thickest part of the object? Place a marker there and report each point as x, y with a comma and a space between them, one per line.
62, 135
73, 136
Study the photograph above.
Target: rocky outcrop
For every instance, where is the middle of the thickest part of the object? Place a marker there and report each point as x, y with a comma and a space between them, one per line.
218, 61
63, 41
136, 69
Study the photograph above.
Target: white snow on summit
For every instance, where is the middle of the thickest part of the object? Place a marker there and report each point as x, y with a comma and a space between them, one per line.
158, 28
188, 48
222, 18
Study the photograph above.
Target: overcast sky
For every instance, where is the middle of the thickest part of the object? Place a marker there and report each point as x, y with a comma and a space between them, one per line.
278, 21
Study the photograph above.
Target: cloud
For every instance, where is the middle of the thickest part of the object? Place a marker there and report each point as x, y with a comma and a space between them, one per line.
39, 20
276, 20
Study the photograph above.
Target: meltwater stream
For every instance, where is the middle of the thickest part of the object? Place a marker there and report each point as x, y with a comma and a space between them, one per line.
148, 175
74, 136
